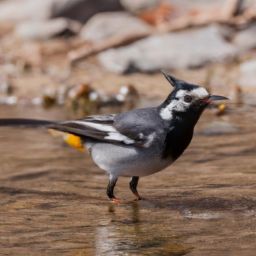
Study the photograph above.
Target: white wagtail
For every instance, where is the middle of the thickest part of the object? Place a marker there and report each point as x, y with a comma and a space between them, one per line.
139, 142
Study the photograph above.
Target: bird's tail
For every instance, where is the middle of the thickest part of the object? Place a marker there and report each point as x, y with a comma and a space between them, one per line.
25, 122
71, 139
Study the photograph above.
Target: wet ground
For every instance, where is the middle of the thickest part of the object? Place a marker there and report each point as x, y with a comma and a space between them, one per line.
53, 202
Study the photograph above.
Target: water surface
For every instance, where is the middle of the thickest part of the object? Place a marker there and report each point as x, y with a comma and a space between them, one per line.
53, 202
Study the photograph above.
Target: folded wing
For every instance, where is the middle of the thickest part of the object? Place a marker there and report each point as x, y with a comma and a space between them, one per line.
100, 128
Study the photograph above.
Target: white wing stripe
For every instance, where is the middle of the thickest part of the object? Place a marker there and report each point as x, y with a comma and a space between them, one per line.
119, 137
100, 127
100, 118
150, 140
113, 134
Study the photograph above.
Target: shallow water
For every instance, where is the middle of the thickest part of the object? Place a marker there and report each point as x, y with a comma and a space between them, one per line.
53, 202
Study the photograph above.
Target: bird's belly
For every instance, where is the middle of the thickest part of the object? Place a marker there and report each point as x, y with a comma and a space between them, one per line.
128, 161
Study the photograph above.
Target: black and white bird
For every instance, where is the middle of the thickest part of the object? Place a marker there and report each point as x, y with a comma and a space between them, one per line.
139, 142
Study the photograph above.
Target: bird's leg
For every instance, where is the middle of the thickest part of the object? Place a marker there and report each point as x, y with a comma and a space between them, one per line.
133, 186
110, 189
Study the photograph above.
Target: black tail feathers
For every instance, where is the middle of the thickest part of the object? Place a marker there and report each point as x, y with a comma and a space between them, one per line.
25, 122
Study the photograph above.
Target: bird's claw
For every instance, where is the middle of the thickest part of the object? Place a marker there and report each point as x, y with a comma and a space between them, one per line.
115, 200
139, 199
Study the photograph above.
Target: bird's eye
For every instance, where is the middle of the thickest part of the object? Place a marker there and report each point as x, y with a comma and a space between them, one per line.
188, 98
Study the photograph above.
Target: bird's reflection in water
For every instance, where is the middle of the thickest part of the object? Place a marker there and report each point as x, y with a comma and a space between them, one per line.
128, 232
120, 233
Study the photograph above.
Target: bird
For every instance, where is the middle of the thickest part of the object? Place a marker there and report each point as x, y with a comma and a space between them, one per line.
139, 142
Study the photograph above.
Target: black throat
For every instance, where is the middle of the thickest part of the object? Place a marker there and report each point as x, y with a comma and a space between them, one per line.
179, 134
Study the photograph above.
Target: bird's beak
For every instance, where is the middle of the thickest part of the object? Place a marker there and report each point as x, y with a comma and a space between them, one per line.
213, 98
217, 97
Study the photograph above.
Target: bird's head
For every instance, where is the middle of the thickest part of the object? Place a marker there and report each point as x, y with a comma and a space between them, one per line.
186, 100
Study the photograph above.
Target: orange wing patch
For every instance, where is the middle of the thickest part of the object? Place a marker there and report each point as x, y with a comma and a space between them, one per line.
72, 140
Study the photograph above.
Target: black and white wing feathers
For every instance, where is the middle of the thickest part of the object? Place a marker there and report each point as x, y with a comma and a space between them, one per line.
100, 128
130, 128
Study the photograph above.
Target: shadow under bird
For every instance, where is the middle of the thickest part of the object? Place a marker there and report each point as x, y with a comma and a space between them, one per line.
139, 142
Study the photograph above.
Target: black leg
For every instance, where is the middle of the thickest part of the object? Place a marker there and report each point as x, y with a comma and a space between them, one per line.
110, 187
133, 187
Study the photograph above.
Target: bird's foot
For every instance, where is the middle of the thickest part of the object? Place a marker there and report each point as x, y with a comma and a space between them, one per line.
138, 197
115, 200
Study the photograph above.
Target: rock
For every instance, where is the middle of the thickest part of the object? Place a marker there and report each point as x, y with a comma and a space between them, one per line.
191, 11
247, 82
136, 6
6, 88
8, 100
186, 49
158, 16
20, 10
106, 25
248, 75
247, 4
219, 128
47, 29
82, 99
194, 4
185, 6
127, 99
81, 10
246, 40
218, 10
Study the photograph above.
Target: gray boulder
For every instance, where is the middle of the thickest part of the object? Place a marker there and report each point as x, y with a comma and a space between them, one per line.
186, 49
42, 30
81, 10
180, 7
246, 39
136, 6
112, 24
247, 79
247, 5
188, 6
20, 10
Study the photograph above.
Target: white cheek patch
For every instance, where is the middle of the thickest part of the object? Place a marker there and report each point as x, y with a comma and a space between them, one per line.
166, 114
199, 93
177, 105
181, 93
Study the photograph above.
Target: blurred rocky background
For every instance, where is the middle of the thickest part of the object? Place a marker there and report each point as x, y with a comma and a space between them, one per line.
90, 55
62, 59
